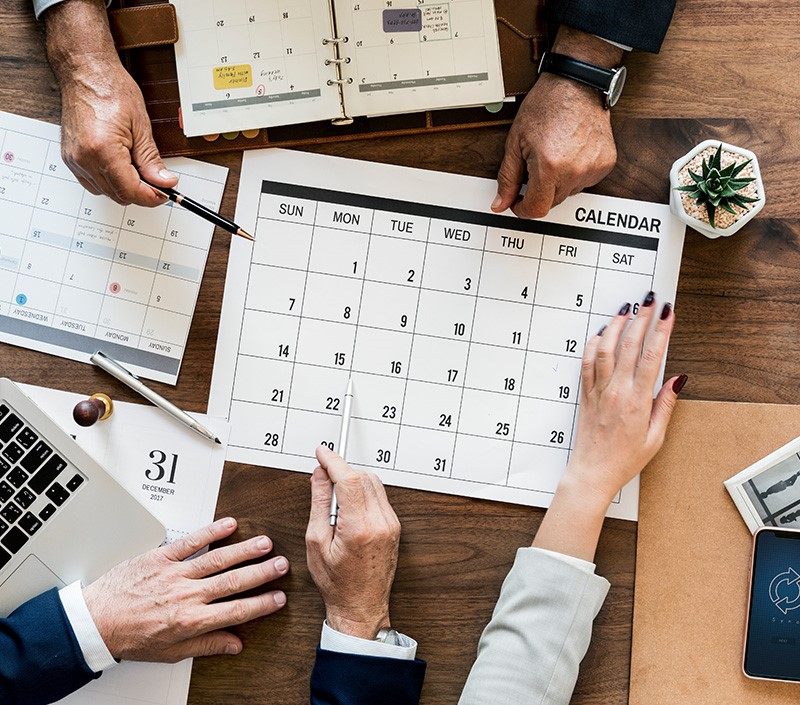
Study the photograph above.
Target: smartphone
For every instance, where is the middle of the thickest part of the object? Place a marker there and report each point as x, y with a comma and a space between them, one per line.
772, 635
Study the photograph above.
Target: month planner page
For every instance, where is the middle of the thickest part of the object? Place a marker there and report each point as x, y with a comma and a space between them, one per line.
246, 64
79, 272
411, 55
462, 329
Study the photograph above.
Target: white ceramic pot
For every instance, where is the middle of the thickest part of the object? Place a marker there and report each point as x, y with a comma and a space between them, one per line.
676, 204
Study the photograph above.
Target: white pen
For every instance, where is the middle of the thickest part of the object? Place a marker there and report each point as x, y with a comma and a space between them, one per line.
104, 362
343, 431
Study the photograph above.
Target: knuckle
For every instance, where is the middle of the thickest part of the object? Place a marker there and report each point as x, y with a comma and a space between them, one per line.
239, 612
232, 582
650, 356
629, 344
214, 561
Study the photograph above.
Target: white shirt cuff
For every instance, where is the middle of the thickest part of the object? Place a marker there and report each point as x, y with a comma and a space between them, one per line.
93, 648
332, 640
579, 563
616, 44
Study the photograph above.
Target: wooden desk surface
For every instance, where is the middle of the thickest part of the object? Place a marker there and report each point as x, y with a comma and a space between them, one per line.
727, 70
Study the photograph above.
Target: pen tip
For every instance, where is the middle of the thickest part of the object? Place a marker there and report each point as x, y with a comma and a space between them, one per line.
218, 441
245, 234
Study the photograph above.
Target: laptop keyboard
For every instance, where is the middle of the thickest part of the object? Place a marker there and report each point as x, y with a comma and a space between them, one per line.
34, 482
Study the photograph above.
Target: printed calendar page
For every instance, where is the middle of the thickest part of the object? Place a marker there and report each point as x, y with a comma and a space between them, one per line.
463, 330
246, 64
79, 272
411, 55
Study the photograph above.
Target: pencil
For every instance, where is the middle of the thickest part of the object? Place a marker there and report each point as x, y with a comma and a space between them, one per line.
343, 432
200, 209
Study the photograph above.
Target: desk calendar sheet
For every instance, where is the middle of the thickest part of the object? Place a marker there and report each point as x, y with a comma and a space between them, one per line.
247, 64
80, 273
176, 475
463, 330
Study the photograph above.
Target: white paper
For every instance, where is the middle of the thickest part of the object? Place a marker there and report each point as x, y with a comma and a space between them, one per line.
176, 474
447, 54
79, 272
463, 330
245, 65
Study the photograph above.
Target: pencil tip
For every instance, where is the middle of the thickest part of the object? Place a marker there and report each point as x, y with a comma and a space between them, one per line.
245, 234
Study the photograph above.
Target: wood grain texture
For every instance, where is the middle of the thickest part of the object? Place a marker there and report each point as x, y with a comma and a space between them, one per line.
729, 71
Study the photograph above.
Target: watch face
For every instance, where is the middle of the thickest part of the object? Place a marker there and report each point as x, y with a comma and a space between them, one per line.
617, 83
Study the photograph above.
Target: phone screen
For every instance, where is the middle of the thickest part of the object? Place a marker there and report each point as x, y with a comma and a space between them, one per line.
772, 644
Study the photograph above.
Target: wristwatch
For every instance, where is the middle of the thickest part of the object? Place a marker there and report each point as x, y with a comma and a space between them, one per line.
608, 81
387, 635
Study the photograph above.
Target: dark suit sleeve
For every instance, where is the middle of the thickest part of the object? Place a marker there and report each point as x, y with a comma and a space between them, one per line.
40, 659
637, 24
351, 679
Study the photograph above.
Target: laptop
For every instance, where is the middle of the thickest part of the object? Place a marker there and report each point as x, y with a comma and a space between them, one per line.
62, 516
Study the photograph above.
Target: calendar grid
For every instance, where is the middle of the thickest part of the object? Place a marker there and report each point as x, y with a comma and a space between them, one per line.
322, 228
438, 331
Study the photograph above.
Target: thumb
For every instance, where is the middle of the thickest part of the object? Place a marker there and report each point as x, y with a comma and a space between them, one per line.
664, 405
147, 160
509, 180
321, 490
211, 644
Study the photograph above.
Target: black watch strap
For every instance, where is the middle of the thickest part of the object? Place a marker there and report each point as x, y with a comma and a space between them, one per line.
597, 77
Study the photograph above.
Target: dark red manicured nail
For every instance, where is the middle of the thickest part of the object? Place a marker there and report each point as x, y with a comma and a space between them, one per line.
679, 383
666, 311
601, 331
625, 310
648, 300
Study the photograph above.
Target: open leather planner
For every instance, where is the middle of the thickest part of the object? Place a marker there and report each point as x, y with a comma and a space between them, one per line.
244, 74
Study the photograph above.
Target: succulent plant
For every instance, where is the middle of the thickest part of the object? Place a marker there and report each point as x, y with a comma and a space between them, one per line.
716, 187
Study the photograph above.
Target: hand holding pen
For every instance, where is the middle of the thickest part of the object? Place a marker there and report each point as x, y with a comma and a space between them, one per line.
200, 209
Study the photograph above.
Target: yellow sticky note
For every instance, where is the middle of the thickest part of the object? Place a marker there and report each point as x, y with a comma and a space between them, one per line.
237, 76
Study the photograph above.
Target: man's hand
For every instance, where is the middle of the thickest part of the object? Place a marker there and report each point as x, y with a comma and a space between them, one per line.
352, 563
106, 139
562, 135
161, 607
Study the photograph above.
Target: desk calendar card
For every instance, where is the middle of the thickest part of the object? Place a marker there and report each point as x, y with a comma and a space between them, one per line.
246, 64
176, 475
463, 329
79, 272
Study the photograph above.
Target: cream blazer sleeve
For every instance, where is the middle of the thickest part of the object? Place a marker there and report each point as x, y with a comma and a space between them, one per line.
530, 651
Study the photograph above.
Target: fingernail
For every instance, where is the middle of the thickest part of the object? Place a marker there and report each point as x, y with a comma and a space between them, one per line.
625, 310
666, 311
228, 523
280, 599
232, 649
496, 202
601, 331
263, 544
281, 564
166, 174
679, 383
648, 300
